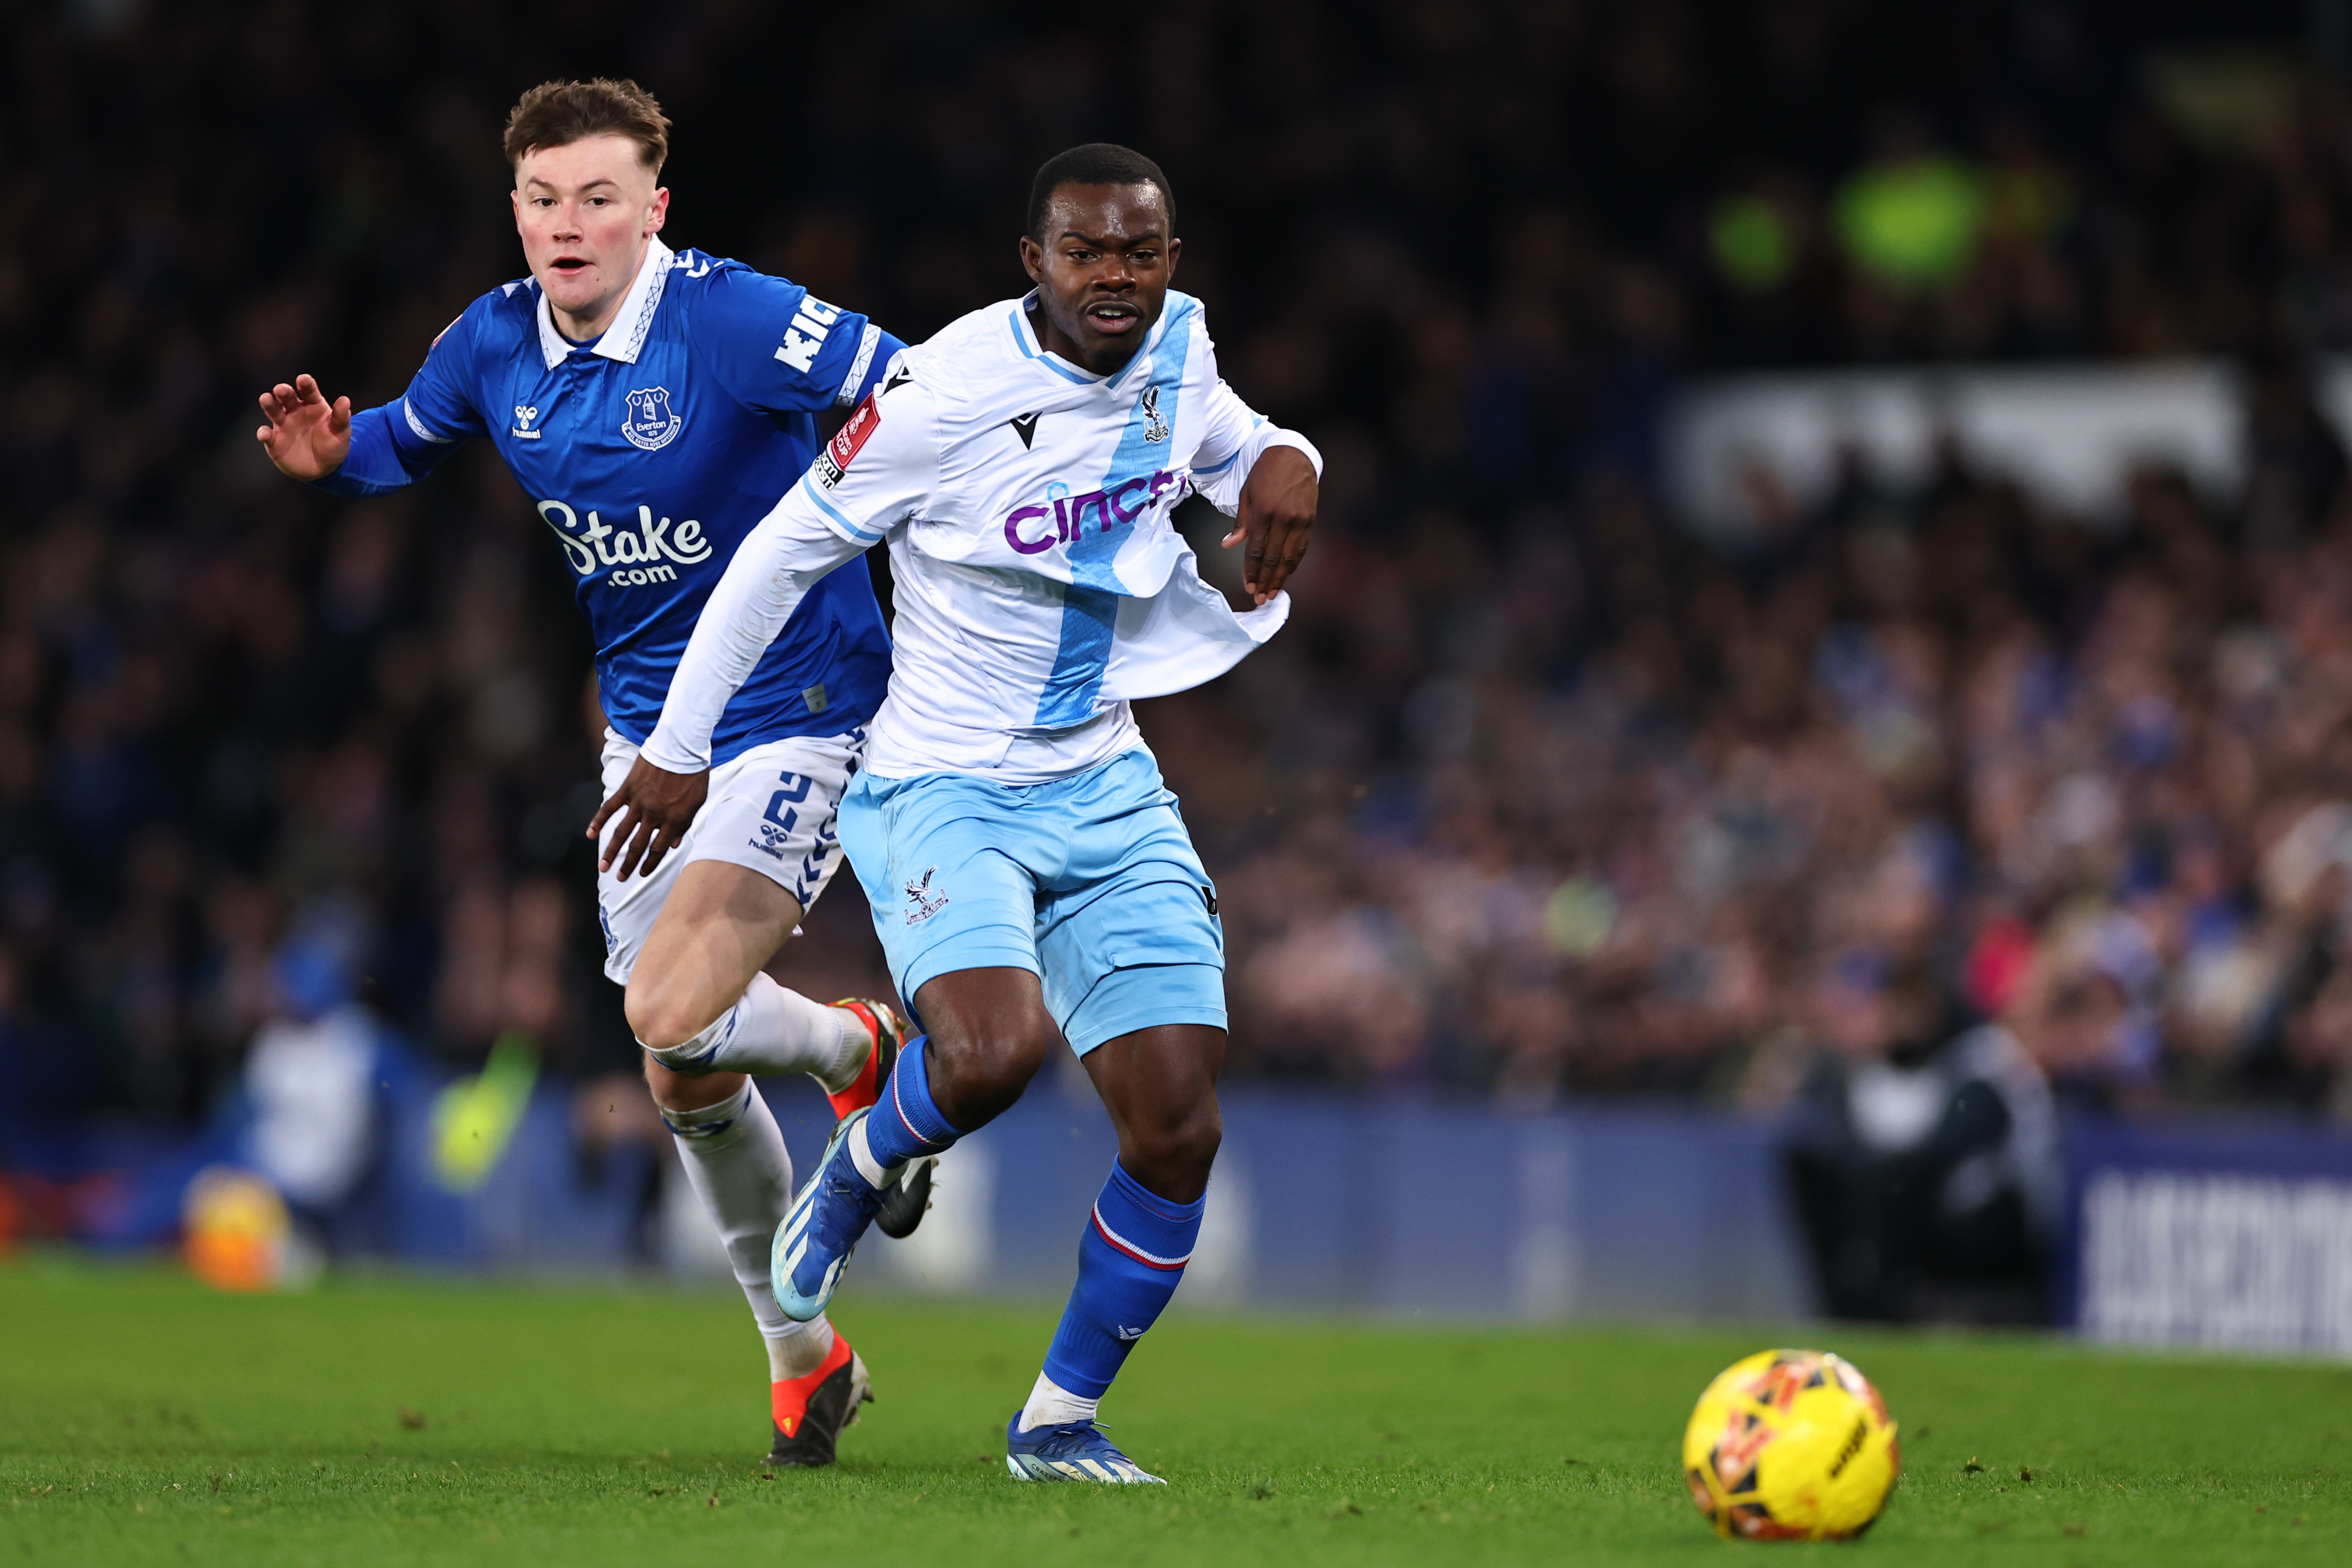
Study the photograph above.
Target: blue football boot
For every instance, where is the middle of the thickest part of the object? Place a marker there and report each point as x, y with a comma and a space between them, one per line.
814, 1244
1073, 1451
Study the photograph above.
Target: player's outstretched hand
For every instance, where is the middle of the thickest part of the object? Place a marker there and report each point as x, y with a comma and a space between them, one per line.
307, 437
650, 813
1277, 513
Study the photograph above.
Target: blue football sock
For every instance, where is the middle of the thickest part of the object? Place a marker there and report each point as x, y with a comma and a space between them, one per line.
905, 1124
1132, 1255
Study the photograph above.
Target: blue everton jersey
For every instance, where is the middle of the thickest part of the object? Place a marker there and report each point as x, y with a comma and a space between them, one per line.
649, 455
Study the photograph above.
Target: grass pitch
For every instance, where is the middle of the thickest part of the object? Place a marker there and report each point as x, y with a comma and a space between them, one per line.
143, 1419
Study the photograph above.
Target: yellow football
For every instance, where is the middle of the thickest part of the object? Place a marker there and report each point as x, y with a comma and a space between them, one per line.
1790, 1445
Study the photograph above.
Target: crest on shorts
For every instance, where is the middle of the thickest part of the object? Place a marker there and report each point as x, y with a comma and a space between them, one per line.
652, 423
922, 903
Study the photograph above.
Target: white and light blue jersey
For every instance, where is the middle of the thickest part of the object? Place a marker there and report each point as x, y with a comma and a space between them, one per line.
650, 454
1039, 585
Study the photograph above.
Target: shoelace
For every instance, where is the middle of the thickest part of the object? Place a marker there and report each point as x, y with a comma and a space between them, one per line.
1074, 1429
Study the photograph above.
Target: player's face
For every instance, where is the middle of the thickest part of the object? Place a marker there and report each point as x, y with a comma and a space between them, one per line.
1102, 272
585, 211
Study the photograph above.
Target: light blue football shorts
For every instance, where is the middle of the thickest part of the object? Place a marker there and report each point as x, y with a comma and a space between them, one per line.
1089, 882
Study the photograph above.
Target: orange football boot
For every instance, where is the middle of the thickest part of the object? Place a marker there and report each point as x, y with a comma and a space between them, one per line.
812, 1411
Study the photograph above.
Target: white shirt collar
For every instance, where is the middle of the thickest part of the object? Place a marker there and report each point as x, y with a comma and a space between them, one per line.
1031, 344
626, 335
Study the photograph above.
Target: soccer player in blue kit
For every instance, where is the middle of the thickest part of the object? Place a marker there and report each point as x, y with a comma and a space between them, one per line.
653, 404
1029, 876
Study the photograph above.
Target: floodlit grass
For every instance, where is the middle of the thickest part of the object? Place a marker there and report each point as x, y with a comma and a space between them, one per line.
143, 1419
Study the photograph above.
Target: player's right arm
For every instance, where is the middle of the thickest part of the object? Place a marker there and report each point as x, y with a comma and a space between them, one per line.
1268, 480
878, 472
324, 443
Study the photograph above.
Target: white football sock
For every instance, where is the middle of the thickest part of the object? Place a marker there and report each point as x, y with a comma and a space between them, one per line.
772, 1030
799, 1350
1050, 1404
735, 1158
869, 1165
849, 1059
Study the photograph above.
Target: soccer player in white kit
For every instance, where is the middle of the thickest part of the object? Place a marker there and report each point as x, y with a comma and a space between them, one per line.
1029, 876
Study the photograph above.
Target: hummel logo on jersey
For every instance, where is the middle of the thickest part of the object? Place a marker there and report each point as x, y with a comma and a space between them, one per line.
522, 430
1025, 427
1156, 429
806, 334
651, 424
922, 902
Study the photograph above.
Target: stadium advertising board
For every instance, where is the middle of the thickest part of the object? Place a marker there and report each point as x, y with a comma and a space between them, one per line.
2230, 1237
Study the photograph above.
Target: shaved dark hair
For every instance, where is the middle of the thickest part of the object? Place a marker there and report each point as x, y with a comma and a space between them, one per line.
1095, 164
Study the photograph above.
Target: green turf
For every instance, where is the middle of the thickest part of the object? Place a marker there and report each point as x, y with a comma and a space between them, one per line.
143, 1419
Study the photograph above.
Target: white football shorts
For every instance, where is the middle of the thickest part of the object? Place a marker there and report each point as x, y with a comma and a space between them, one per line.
770, 809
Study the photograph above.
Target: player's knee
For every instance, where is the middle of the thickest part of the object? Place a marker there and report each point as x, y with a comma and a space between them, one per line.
982, 1069
660, 1019
1181, 1148
674, 1091
666, 1086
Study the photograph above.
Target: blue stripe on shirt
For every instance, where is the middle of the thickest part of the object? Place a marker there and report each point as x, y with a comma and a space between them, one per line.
841, 524
1090, 604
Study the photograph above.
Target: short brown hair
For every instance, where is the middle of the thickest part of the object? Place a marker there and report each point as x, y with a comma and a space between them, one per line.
557, 113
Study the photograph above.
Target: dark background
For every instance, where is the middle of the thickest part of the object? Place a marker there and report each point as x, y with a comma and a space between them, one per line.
1537, 795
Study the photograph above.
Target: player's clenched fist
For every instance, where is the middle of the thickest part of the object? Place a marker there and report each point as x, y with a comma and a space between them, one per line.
1277, 513
650, 813
307, 437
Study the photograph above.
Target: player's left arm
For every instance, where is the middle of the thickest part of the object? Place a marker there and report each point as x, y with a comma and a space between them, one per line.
322, 443
772, 571
1267, 480
778, 349
874, 474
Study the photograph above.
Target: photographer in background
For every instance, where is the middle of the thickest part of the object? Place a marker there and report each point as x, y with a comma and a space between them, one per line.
1923, 1160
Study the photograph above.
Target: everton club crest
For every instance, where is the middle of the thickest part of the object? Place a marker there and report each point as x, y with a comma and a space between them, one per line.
652, 424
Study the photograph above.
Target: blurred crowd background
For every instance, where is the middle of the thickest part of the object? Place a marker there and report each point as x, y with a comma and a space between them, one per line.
1541, 794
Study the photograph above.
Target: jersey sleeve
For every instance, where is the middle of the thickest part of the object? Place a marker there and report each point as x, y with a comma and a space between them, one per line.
1235, 438
440, 407
385, 455
401, 442
872, 477
880, 468
780, 349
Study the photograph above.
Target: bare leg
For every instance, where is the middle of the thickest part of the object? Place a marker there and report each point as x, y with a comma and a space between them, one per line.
718, 927
988, 1033
701, 1002
1159, 1086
